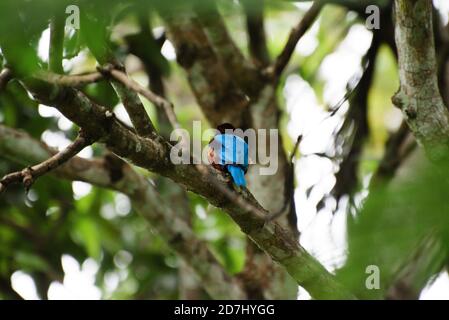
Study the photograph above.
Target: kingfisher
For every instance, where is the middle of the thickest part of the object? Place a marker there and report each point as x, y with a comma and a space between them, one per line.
229, 153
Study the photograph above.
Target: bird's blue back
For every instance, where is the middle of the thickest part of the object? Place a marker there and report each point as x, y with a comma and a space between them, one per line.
231, 150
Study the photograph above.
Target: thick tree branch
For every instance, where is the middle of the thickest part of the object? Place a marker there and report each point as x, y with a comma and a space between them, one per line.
219, 97
115, 174
147, 48
426, 115
296, 34
419, 97
30, 174
168, 107
56, 46
241, 71
135, 109
256, 31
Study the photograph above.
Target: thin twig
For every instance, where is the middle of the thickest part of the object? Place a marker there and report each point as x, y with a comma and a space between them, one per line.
70, 80
398, 148
5, 76
296, 34
289, 185
28, 175
157, 100
295, 148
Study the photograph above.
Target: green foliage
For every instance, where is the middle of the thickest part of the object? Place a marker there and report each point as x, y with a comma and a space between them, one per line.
102, 93
385, 84
395, 221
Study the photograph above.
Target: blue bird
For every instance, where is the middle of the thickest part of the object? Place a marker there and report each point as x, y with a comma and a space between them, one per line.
229, 153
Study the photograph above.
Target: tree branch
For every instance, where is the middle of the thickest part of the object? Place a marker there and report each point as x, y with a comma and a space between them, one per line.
113, 173
157, 100
419, 97
296, 34
135, 109
29, 175
5, 76
290, 185
256, 31
147, 48
241, 71
412, 276
397, 149
56, 45
273, 282
70, 80
426, 115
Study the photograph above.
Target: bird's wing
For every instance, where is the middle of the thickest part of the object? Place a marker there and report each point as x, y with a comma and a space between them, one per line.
231, 149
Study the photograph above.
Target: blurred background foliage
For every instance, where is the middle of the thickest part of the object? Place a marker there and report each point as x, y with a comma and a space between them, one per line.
61, 226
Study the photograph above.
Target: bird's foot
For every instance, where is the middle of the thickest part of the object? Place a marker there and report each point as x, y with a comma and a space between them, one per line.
237, 188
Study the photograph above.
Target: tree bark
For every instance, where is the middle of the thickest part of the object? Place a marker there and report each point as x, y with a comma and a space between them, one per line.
419, 97
428, 119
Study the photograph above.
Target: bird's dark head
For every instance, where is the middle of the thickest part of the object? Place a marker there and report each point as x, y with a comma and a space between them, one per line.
225, 126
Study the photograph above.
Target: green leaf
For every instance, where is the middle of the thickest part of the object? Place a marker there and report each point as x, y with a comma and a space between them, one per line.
87, 233
30, 261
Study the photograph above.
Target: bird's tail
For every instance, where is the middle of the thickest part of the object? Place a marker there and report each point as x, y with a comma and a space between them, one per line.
238, 175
